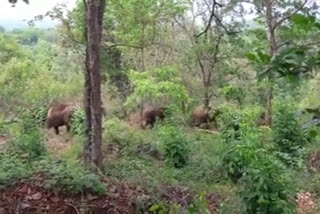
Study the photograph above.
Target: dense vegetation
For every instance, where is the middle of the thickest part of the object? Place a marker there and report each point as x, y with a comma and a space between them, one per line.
258, 79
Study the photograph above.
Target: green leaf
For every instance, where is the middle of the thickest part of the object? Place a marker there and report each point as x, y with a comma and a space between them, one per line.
300, 19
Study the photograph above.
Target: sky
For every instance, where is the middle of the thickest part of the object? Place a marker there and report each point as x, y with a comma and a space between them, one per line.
11, 17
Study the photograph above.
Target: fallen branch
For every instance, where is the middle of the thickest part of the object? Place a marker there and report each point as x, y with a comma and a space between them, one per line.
207, 131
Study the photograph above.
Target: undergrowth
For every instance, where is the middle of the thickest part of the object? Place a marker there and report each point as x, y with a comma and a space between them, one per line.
59, 175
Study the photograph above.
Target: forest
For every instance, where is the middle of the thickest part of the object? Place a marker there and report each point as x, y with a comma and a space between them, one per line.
162, 107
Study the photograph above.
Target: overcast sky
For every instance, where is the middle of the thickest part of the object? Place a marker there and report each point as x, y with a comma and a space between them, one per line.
21, 11
12, 17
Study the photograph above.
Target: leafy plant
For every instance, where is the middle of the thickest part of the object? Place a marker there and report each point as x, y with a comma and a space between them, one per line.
28, 138
238, 158
78, 122
288, 135
264, 181
12, 169
120, 133
267, 188
175, 145
69, 177
156, 85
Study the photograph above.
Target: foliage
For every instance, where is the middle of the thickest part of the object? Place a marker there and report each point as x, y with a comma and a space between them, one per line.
199, 205
69, 177
292, 62
175, 145
118, 132
59, 175
267, 186
288, 135
28, 138
234, 123
2, 125
159, 84
137, 21
9, 49
241, 154
78, 122
264, 181
12, 169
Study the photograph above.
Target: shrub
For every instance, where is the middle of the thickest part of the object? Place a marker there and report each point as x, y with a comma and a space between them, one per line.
174, 145
288, 135
28, 138
12, 169
118, 132
264, 182
239, 156
267, 188
78, 122
234, 122
69, 177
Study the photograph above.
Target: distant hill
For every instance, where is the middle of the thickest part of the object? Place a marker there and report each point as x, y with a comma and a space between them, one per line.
12, 24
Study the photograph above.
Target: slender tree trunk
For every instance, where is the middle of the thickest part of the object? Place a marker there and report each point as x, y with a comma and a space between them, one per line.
87, 100
94, 18
141, 113
273, 49
143, 68
206, 96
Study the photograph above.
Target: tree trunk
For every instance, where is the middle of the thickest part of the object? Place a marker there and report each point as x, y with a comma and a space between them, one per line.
273, 49
141, 113
87, 100
206, 96
94, 18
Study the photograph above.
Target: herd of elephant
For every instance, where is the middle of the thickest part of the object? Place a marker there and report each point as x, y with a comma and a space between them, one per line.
60, 115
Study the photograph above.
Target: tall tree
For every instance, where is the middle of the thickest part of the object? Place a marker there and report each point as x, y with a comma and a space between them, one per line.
94, 11
208, 33
274, 15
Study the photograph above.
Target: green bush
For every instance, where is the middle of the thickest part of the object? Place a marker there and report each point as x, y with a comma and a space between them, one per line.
266, 187
68, 177
289, 137
28, 138
238, 157
78, 122
174, 144
116, 131
234, 122
263, 179
12, 169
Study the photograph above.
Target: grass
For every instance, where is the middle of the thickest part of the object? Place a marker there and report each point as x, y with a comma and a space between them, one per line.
203, 171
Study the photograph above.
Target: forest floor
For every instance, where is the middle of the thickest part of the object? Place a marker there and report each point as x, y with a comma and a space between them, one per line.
120, 197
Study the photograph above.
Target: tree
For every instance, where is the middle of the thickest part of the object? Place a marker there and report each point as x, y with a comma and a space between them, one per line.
208, 36
94, 11
274, 15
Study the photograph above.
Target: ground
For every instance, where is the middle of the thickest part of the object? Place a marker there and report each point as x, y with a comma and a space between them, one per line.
124, 195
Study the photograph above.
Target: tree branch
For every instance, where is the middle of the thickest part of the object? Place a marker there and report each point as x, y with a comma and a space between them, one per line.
277, 24
218, 21
210, 20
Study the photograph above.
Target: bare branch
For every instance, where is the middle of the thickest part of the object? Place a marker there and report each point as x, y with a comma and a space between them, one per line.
218, 21
215, 56
210, 20
277, 24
